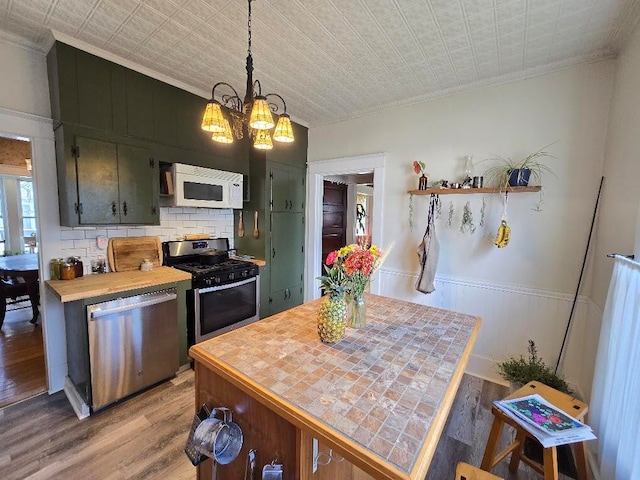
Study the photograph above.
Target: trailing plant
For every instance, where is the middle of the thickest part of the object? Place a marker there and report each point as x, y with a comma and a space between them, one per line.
523, 370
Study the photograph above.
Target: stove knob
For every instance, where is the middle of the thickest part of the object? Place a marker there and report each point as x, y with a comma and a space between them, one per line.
208, 282
232, 276
244, 274
216, 279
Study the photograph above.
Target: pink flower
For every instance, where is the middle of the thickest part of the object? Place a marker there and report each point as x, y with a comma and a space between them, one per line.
331, 258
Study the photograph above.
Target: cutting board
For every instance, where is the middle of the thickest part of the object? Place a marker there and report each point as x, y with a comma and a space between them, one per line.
127, 253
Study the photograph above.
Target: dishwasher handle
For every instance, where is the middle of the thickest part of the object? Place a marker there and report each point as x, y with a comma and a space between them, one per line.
160, 298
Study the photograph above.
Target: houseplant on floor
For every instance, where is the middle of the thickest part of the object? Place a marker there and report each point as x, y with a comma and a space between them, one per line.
518, 173
520, 371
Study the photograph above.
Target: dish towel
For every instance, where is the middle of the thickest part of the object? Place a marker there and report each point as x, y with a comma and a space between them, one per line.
428, 252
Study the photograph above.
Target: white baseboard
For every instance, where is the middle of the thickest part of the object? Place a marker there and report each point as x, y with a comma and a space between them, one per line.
81, 408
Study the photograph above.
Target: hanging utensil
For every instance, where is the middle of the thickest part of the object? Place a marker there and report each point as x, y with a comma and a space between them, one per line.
250, 467
219, 439
256, 232
241, 225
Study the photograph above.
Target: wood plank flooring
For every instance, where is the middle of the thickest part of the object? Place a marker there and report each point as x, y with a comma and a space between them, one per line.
22, 367
143, 438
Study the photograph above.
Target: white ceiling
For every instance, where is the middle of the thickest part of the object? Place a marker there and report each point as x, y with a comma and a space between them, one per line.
335, 59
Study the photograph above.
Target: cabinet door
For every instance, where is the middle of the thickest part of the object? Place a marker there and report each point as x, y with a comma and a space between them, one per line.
94, 92
287, 258
285, 299
164, 113
279, 190
97, 167
297, 190
137, 178
139, 105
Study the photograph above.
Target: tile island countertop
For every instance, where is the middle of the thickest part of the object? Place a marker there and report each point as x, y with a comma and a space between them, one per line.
380, 396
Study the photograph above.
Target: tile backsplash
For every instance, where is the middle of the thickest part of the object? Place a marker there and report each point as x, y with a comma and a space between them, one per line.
174, 221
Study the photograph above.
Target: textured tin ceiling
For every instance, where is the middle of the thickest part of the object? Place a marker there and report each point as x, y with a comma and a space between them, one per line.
335, 59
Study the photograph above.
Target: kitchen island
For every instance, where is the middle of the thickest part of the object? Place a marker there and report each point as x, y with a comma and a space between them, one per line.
379, 398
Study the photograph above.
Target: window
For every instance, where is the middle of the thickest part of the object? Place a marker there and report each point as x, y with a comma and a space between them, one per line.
28, 214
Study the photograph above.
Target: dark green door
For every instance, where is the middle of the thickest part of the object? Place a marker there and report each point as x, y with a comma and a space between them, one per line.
94, 92
139, 105
296, 190
138, 178
97, 167
279, 190
287, 258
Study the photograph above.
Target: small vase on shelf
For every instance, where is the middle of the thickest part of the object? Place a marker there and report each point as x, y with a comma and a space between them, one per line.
357, 312
422, 182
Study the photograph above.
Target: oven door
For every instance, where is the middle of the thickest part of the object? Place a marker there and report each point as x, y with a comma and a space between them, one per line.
220, 309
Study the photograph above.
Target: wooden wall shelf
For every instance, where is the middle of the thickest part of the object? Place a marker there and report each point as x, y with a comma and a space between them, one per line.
453, 191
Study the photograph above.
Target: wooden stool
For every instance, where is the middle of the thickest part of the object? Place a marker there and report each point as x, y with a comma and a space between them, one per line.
464, 471
549, 467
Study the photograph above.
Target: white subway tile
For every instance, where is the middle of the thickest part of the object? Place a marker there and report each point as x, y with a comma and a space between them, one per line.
83, 243
114, 232
136, 232
72, 235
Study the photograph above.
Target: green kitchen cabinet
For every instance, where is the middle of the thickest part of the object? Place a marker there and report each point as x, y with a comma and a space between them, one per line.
287, 250
87, 91
277, 192
287, 188
104, 182
139, 105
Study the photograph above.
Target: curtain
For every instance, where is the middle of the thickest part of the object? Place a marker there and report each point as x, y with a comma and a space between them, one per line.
615, 401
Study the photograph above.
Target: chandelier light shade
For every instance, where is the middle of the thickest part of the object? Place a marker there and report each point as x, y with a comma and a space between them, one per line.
213, 120
255, 111
263, 140
225, 135
284, 130
261, 118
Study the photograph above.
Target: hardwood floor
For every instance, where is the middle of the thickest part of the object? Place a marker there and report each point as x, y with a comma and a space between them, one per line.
143, 438
22, 367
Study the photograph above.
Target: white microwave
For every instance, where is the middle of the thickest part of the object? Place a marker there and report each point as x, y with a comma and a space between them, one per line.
204, 187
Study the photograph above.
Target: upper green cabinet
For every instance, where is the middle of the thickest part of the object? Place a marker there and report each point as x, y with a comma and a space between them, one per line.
102, 181
287, 189
89, 91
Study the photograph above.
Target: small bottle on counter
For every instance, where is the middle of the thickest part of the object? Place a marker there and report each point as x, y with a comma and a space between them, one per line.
67, 271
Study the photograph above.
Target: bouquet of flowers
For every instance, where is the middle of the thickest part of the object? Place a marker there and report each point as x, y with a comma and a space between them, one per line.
358, 264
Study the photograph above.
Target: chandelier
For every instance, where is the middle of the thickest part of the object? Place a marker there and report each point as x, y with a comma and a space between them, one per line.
255, 111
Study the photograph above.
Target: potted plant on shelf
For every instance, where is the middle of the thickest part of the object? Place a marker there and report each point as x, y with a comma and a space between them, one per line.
517, 173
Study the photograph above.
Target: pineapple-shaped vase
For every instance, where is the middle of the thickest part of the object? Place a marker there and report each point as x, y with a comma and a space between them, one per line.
332, 318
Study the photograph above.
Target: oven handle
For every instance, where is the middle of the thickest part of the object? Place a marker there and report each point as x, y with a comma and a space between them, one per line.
199, 291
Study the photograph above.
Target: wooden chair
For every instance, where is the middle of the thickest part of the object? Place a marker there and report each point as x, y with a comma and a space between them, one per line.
464, 471
549, 467
10, 289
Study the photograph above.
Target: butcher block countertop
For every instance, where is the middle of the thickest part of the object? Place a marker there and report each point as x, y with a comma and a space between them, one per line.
114, 282
380, 396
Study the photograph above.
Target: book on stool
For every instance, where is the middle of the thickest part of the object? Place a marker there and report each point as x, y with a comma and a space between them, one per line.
546, 422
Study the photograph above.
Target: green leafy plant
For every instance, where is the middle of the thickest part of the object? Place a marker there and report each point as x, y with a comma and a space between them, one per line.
498, 174
523, 370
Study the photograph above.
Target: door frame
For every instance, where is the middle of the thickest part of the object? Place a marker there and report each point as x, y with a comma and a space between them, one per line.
39, 131
316, 171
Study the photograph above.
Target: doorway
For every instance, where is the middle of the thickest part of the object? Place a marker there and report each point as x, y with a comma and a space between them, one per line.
366, 170
334, 218
22, 358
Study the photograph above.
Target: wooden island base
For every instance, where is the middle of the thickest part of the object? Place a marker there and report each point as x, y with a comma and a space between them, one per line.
272, 436
379, 398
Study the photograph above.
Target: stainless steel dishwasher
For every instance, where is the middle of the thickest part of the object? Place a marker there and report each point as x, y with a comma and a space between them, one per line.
133, 344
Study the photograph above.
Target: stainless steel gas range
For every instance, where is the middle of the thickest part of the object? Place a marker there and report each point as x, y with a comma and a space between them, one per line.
225, 293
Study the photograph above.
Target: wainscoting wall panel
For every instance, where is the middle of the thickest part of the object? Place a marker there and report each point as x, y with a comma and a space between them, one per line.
511, 315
